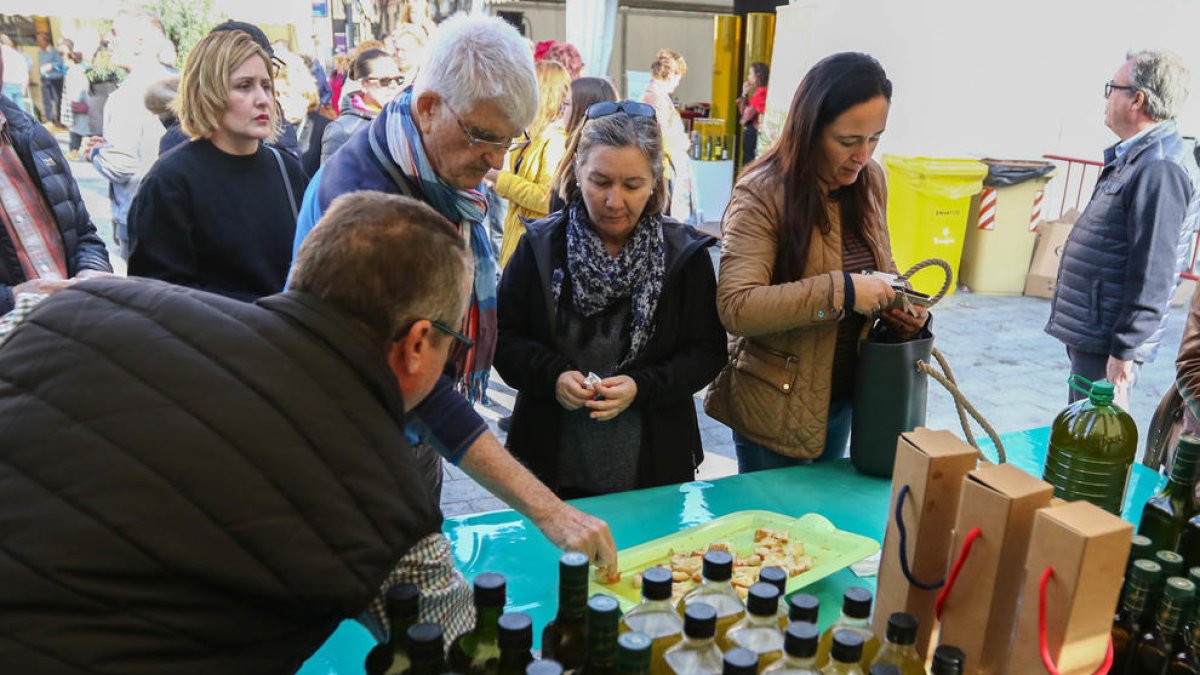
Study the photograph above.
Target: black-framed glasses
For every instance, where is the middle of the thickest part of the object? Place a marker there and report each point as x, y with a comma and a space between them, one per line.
472, 140
397, 81
1110, 86
458, 337
632, 108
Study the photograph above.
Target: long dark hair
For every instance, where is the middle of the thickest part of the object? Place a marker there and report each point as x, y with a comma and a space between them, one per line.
835, 84
584, 92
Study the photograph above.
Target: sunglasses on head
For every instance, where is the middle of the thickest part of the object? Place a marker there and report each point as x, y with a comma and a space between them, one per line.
631, 108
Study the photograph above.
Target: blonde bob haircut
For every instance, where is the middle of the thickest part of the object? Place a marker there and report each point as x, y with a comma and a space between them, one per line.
204, 84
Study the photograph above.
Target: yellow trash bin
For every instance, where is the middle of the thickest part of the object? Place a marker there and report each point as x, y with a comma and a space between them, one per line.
1003, 226
929, 201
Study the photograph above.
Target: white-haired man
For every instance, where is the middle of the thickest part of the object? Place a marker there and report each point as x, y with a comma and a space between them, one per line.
1122, 260
475, 93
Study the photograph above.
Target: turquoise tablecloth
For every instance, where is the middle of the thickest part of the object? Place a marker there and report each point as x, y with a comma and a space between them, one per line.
505, 542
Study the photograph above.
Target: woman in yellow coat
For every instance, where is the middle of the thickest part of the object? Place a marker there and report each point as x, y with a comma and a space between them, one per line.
529, 170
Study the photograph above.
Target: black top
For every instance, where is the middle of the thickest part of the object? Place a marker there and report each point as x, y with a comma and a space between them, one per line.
218, 222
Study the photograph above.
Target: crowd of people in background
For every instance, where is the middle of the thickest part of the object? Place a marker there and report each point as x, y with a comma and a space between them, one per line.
327, 265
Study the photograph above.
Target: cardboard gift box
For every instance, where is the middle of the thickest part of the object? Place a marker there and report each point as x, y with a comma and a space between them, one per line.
1086, 549
929, 470
1047, 254
980, 609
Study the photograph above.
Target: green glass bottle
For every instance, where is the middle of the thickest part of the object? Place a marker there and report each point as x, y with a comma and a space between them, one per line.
777, 577
401, 603
1139, 548
900, 645
426, 653
1160, 645
799, 651
603, 617
739, 661
1127, 630
516, 641
1166, 514
562, 639
477, 652
1092, 446
1189, 542
633, 653
1187, 660
948, 660
845, 654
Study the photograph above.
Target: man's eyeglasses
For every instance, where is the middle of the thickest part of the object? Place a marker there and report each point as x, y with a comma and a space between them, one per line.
632, 108
507, 145
387, 81
459, 337
1110, 86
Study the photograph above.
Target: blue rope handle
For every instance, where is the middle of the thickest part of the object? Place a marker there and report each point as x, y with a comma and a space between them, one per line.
904, 547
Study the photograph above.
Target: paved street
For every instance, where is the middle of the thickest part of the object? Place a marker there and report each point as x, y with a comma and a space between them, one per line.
1012, 371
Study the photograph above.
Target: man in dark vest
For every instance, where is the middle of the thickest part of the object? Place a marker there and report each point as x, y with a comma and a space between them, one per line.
1121, 262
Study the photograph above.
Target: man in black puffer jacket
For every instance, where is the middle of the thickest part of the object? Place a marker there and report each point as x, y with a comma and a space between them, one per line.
1123, 258
198, 485
32, 164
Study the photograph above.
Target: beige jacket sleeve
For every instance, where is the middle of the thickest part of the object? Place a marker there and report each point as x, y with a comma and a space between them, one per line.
747, 302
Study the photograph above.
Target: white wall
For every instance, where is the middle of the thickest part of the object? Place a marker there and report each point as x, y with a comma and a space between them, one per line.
639, 34
1015, 79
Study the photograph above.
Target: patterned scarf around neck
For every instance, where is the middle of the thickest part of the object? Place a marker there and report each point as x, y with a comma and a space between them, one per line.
468, 208
361, 104
599, 279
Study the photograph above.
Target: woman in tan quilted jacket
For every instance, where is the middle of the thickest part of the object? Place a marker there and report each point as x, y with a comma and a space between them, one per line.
803, 222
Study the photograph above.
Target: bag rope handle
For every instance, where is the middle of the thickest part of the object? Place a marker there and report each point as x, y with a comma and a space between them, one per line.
1044, 648
904, 491
968, 543
961, 404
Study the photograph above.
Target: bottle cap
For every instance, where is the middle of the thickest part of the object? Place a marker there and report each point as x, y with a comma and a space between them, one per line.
1141, 547
847, 647
856, 603
699, 620
573, 566
602, 611
516, 631
425, 642
402, 600
544, 667
489, 590
1189, 446
884, 669
763, 600
801, 639
948, 660
656, 583
739, 661
1146, 571
1179, 590
1172, 562
633, 652
1194, 576
718, 566
803, 607
902, 628
1102, 392
776, 576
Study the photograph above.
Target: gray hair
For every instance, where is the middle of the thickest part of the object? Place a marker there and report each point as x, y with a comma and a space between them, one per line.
619, 130
475, 58
385, 261
1162, 77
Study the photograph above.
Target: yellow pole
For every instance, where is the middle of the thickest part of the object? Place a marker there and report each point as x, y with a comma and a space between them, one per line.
726, 79
760, 38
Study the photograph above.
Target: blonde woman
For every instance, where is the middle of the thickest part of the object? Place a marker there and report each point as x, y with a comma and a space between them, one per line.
219, 212
530, 170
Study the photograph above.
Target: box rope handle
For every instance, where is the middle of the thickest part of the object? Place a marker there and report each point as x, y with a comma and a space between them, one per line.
904, 490
961, 404
1044, 648
968, 542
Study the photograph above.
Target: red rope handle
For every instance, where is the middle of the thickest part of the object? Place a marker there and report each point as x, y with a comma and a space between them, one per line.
1042, 641
968, 542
